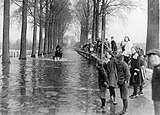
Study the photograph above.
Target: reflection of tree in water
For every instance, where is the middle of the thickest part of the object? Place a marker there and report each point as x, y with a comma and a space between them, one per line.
46, 82
22, 82
37, 79
22, 77
53, 83
5, 84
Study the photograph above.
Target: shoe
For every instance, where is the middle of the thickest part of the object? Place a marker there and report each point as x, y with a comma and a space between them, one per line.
133, 96
114, 102
140, 93
123, 112
103, 109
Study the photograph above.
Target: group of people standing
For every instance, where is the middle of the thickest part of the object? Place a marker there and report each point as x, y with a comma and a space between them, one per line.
121, 69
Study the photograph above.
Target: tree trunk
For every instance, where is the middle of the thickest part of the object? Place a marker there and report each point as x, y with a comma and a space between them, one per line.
46, 31
97, 20
54, 36
62, 36
87, 23
35, 30
41, 30
50, 38
82, 37
93, 23
24, 30
59, 34
153, 25
6, 24
103, 29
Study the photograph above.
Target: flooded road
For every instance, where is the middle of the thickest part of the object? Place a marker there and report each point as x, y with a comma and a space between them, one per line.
42, 86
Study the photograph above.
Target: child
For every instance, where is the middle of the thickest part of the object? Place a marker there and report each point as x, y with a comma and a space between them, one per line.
103, 83
123, 79
134, 80
111, 70
154, 59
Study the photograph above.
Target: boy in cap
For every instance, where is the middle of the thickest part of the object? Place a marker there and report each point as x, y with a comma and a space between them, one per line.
103, 83
154, 58
123, 73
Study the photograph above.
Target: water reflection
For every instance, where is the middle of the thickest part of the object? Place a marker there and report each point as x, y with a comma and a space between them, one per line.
39, 86
5, 88
22, 82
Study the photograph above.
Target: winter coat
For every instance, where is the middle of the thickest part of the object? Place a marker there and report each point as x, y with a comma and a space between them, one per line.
102, 76
123, 72
127, 49
156, 83
111, 70
113, 45
137, 78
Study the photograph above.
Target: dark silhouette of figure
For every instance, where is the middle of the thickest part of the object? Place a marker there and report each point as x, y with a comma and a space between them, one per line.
113, 45
58, 53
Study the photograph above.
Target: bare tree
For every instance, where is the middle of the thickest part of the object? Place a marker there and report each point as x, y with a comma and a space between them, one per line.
84, 16
54, 20
6, 24
114, 8
97, 17
41, 29
59, 19
45, 50
24, 30
35, 29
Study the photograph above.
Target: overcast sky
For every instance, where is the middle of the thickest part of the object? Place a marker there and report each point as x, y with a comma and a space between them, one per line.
135, 27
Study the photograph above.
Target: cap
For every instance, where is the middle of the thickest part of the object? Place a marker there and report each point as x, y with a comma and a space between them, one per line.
100, 62
154, 51
110, 52
119, 56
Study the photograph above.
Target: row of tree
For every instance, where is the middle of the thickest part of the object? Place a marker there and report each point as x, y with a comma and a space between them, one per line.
92, 17
54, 16
51, 16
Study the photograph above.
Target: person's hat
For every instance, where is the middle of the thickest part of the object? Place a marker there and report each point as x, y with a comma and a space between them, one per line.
110, 52
99, 62
154, 52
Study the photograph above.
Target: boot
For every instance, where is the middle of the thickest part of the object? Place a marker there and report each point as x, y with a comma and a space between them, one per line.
125, 107
103, 102
140, 92
114, 101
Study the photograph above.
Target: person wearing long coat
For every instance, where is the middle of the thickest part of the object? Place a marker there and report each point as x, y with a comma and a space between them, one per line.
113, 45
103, 82
111, 70
141, 68
123, 74
136, 79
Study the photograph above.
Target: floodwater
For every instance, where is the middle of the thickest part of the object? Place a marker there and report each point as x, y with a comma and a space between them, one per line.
41, 86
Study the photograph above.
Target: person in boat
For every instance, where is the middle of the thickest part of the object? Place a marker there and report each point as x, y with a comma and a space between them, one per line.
58, 53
